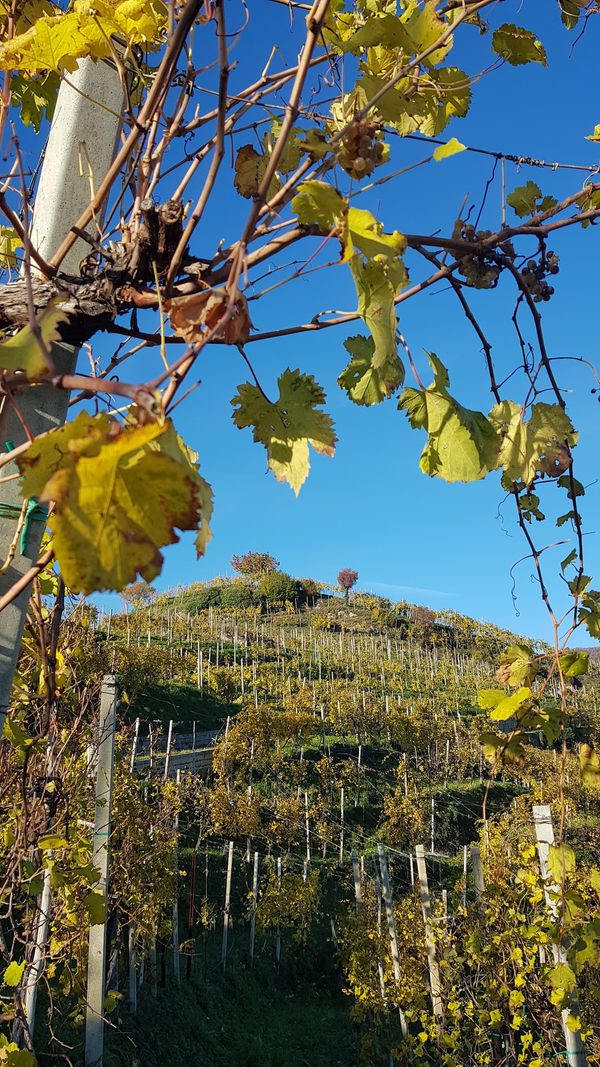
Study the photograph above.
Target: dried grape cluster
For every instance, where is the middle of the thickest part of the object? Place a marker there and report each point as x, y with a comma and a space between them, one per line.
534, 275
362, 148
480, 270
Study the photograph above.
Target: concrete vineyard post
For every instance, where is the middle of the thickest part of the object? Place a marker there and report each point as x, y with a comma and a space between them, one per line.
544, 832
226, 909
89, 102
254, 903
94, 1021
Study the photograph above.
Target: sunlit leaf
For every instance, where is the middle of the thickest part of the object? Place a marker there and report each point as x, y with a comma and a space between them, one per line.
517, 45
287, 426
462, 444
370, 378
118, 492
24, 352
451, 148
541, 443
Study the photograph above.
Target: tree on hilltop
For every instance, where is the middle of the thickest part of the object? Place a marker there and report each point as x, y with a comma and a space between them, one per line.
255, 564
138, 594
347, 578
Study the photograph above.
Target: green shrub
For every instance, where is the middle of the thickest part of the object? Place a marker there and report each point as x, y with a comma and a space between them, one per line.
277, 588
205, 597
239, 595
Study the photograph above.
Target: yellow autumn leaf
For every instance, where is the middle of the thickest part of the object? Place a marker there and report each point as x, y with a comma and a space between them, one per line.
119, 493
9, 242
24, 352
57, 41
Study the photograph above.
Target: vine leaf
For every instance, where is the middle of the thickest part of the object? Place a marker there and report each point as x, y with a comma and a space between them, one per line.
595, 136
589, 612
13, 973
561, 861
377, 283
370, 377
318, 204
443, 151
462, 445
542, 444
118, 492
364, 233
517, 666
518, 45
191, 315
573, 664
9, 242
36, 97
24, 352
589, 763
56, 41
528, 199
289, 425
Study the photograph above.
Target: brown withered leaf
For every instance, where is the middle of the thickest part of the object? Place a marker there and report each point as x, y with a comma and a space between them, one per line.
190, 316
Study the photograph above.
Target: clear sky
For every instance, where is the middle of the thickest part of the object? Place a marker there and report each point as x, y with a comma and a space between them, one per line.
370, 507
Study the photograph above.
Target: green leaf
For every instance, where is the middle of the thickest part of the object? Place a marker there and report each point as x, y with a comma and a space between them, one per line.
595, 879
529, 200
507, 707
568, 560
462, 445
368, 379
13, 1056
589, 765
376, 291
49, 841
36, 97
16, 734
24, 352
289, 425
451, 148
13, 973
516, 665
539, 445
518, 46
573, 664
318, 204
573, 487
119, 492
589, 612
569, 13
498, 746
563, 977
95, 904
561, 862
562, 519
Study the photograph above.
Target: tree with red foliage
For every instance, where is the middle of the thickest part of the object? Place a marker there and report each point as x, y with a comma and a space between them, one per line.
347, 578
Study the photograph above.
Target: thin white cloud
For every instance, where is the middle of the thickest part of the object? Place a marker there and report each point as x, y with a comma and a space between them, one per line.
408, 588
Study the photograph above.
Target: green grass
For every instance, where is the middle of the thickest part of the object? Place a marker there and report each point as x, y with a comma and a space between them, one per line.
242, 1019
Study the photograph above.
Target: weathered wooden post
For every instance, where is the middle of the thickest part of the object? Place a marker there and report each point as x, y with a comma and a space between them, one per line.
434, 971
226, 909
254, 903
389, 910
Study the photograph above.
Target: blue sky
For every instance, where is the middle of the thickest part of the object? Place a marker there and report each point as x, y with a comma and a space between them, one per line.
370, 507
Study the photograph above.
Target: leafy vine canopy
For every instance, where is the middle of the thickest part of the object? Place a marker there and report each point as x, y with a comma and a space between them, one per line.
288, 149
